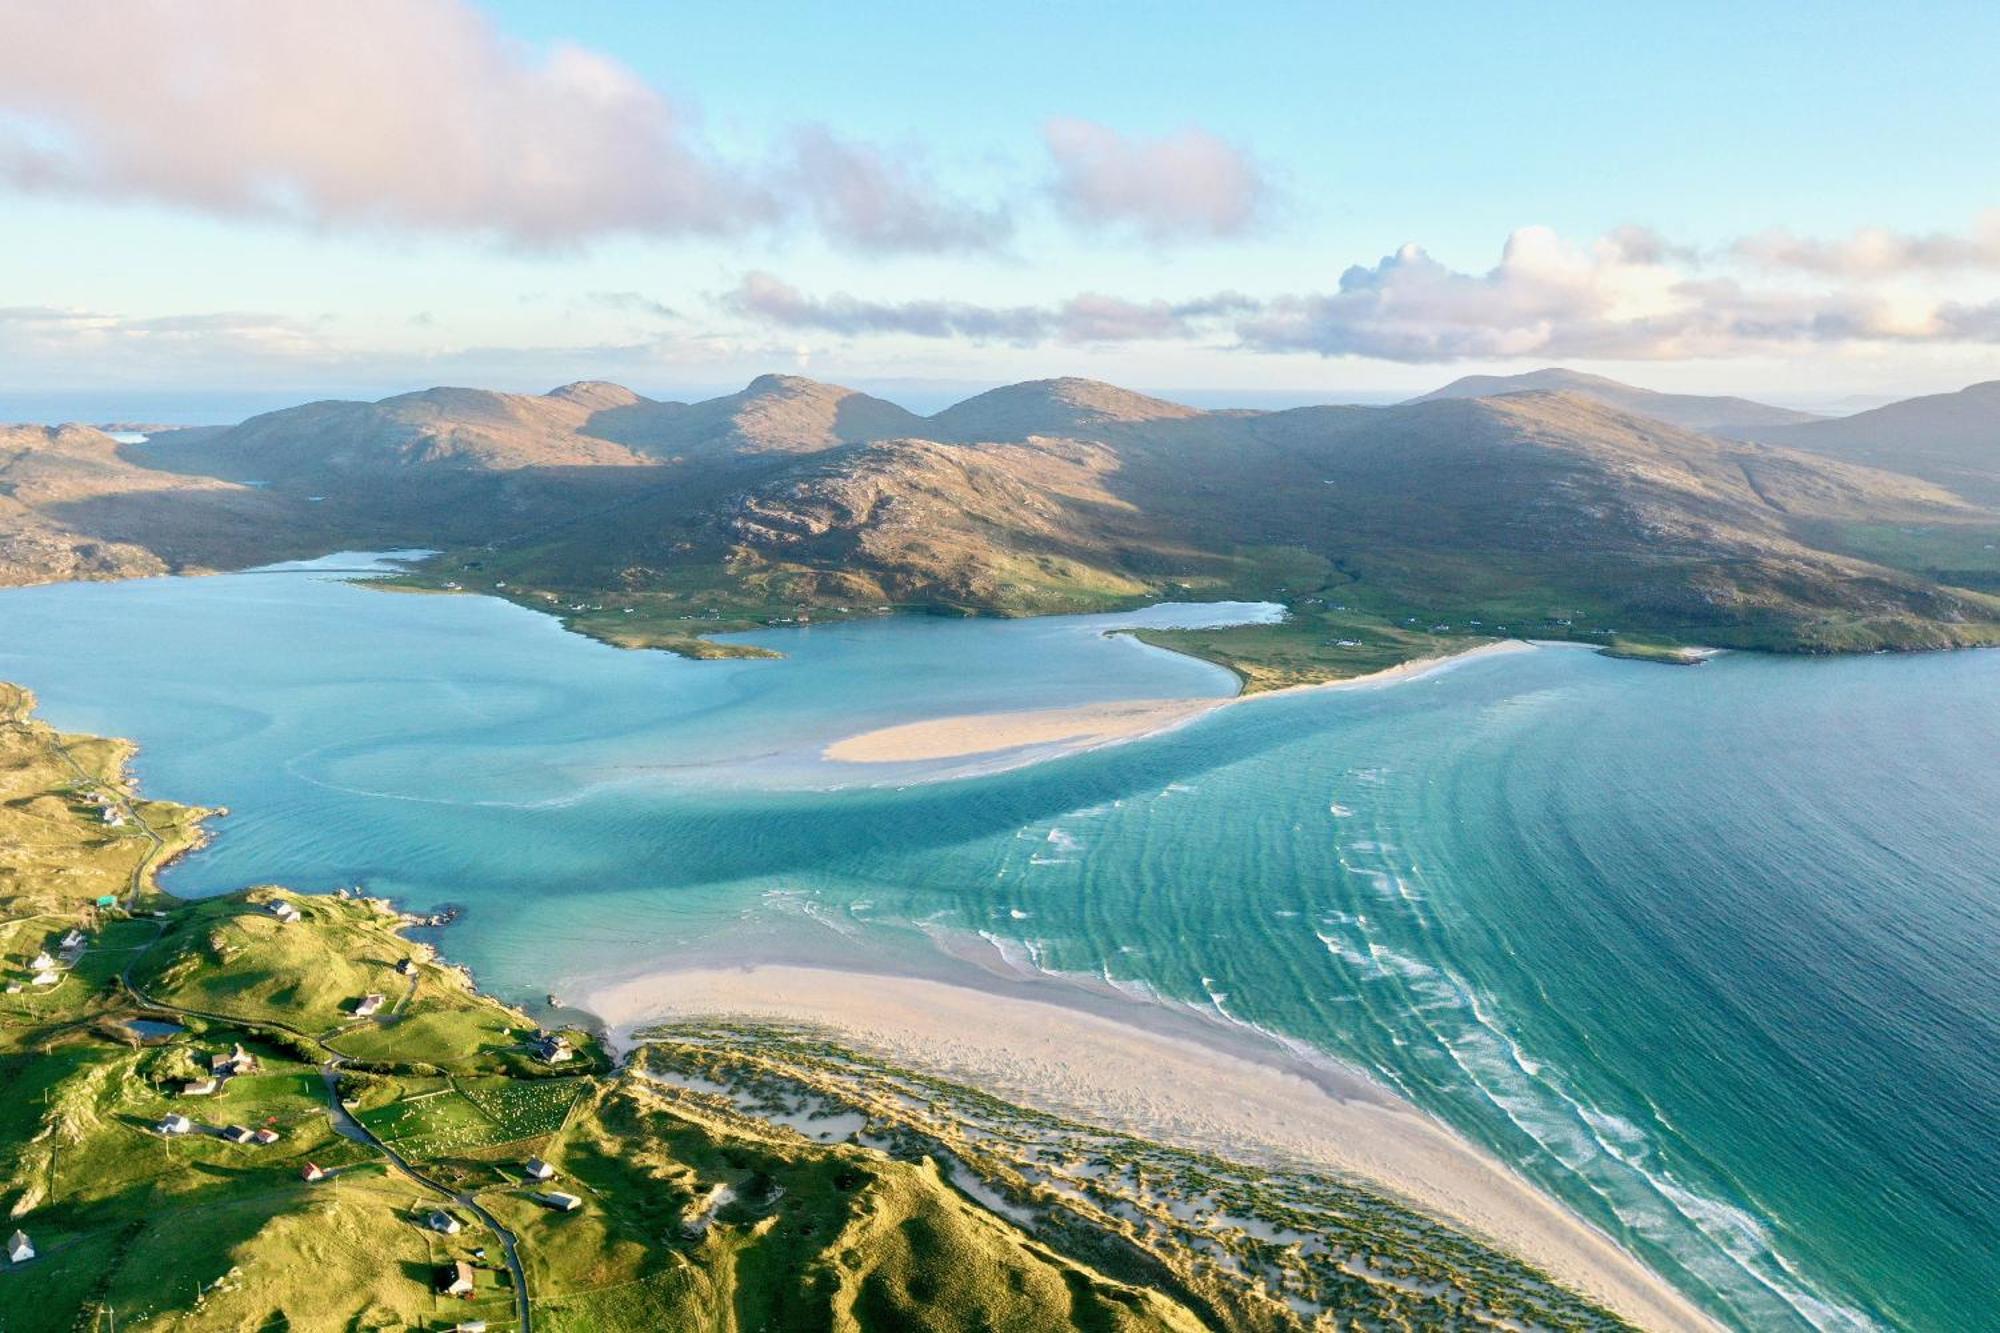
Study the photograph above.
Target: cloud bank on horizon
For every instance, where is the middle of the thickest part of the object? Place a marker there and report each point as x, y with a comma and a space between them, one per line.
426, 118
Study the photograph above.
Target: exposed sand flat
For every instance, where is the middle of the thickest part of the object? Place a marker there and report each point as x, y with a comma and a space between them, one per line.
984, 733
1088, 725
1174, 1089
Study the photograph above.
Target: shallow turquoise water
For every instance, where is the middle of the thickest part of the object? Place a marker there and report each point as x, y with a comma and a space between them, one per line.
1708, 952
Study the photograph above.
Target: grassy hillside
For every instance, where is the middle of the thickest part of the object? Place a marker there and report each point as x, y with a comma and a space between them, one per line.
1952, 439
733, 1178
1387, 532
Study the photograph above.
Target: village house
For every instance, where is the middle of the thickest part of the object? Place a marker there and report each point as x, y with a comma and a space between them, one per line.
312, 1171
266, 1136
282, 910
201, 1087
48, 977
562, 1203
236, 1061
238, 1134
175, 1124
444, 1223
19, 1248
74, 941
537, 1169
456, 1280
42, 962
470, 1326
554, 1048
367, 1005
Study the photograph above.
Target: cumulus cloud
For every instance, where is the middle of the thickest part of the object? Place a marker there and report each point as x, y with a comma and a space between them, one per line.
1878, 251
874, 202
1087, 318
1190, 184
1630, 295
415, 114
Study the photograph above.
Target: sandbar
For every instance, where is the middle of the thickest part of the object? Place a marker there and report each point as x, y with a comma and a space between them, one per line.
1087, 726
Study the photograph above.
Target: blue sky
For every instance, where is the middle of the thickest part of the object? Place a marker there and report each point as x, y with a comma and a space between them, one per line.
209, 208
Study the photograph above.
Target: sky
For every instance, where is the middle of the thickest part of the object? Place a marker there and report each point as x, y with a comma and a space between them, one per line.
213, 207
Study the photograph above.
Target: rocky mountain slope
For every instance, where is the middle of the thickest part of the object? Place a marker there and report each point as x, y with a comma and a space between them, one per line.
1454, 514
1714, 414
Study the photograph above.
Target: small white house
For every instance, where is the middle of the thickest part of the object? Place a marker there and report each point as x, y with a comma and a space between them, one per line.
562, 1203
367, 1005
19, 1248
175, 1124
537, 1169
47, 977
444, 1223
282, 910
201, 1087
42, 961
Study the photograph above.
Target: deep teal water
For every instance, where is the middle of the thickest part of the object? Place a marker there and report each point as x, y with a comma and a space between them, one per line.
1710, 953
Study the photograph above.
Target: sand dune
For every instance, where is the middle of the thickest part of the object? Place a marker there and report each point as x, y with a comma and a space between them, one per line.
1227, 1096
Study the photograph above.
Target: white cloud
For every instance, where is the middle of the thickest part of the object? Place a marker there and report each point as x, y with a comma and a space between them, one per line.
1878, 251
414, 114
1629, 296
1187, 184
874, 202
1084, 319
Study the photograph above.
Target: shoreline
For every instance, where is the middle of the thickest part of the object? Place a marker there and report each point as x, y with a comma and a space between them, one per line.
1060, 732
1171, 1082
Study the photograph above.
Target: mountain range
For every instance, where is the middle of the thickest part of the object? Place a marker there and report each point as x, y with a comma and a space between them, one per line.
1552, 503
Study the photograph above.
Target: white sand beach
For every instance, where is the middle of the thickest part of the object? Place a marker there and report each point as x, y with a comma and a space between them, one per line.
985, 733
1088, 726
1224, 1096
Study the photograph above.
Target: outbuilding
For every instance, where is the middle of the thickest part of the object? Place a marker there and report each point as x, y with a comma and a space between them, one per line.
537, 1169
19, 1248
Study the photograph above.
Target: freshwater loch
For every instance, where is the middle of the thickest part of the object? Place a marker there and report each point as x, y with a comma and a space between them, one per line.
1705, 953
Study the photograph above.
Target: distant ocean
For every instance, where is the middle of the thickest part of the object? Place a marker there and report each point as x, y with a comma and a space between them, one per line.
1708, 952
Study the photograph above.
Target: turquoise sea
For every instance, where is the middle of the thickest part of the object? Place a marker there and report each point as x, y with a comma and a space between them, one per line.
1712, 953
